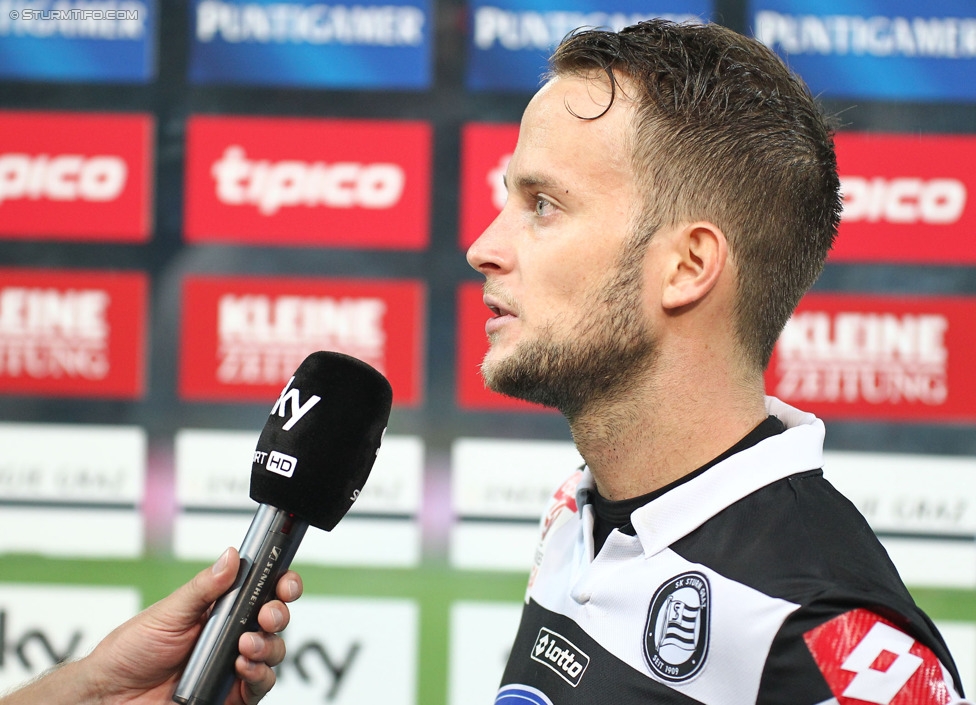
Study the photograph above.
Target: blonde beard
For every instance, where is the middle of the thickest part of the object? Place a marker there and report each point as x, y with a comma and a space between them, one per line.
600, 362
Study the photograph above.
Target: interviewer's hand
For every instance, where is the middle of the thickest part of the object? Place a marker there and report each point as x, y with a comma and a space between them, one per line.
141, 661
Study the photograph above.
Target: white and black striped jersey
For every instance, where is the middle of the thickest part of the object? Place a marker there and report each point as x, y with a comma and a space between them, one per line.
754, 581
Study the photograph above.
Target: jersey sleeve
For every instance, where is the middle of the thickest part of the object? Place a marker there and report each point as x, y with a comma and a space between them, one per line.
858, 657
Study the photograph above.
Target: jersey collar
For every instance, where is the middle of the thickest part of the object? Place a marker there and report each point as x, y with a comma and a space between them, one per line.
684, 508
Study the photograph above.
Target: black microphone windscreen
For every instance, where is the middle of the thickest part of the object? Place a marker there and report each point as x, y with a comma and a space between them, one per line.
321, 439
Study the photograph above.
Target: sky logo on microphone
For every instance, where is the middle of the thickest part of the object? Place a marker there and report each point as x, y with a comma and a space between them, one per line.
281, 464
298, 410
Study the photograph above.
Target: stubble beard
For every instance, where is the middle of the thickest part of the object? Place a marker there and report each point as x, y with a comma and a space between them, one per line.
598, 364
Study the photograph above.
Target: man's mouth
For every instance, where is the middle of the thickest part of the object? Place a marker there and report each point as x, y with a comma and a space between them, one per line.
497, 307
503, 313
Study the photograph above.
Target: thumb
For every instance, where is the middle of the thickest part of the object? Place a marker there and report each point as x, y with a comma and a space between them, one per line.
184, 607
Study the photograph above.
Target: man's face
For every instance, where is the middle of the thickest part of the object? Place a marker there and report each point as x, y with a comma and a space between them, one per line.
569, 323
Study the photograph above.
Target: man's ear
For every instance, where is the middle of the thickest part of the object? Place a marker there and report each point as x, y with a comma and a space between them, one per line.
699, 252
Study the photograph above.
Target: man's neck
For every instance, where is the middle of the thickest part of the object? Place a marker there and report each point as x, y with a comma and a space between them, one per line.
642, 443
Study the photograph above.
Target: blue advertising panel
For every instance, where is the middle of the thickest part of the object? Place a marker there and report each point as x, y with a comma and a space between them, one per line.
93, 42
510, 40
875, 49
364, 44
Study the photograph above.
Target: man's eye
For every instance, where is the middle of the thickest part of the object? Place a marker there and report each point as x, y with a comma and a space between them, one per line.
542, 206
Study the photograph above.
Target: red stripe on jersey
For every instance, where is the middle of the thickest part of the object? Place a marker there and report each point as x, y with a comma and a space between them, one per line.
864, 658
565, 498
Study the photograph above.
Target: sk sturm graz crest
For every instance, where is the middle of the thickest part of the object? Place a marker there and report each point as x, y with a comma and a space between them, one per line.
676, 634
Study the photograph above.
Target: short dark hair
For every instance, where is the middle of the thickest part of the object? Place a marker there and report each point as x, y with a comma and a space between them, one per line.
726, 133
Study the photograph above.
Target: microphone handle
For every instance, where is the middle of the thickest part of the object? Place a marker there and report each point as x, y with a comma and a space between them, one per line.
266, 553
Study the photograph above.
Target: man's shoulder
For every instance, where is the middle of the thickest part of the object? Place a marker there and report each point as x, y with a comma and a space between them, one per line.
800, 540
794, 539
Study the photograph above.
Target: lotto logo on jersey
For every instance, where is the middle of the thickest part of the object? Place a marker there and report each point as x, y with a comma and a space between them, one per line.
68, 333
561, 655
485, 151
275, 181
75, 176
906, 198
243, 337
866, 659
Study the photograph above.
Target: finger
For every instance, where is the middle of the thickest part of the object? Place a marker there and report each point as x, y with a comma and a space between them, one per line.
290, 587
264, 648
184, 607
274, 616
256, 679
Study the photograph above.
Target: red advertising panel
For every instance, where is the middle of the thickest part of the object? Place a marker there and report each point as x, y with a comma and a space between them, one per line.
908, 199
76, 176
72, 333
485, 151
472, 346
878, 357
308, 182
244, 337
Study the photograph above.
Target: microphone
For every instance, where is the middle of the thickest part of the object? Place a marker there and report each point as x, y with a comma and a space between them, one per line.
310, 464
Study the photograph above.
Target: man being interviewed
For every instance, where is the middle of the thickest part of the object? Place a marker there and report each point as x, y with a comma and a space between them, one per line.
672, 195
